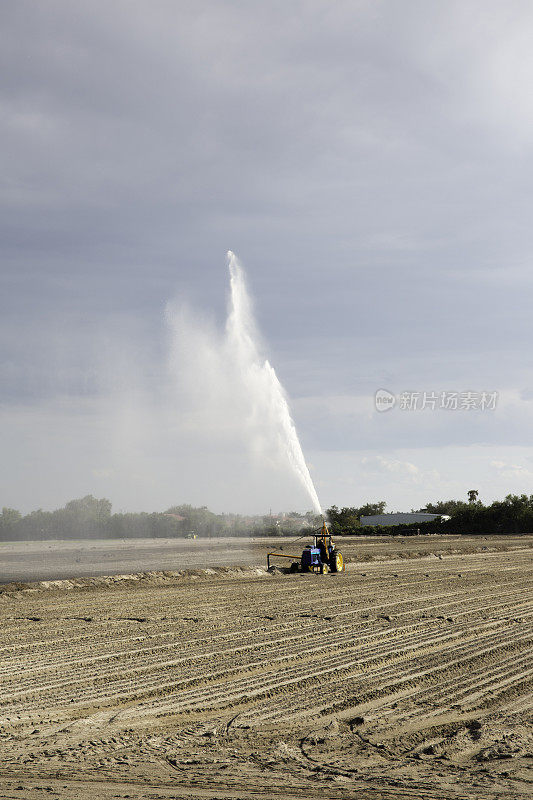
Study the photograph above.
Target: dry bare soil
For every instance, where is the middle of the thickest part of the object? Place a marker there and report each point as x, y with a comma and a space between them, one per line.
404, 677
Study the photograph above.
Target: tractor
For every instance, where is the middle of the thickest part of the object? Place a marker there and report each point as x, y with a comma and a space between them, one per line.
322, 556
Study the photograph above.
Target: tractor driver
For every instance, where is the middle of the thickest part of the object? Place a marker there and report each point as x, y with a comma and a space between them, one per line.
323, 552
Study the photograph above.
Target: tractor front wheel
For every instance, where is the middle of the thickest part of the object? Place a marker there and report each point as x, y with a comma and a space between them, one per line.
324, 569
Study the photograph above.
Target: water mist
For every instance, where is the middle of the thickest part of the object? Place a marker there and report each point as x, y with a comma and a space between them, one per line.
269, 406
228, 394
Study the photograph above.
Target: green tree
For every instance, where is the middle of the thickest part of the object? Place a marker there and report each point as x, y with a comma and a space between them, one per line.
444, 507
370, 509
9, 523
348, 519
9, 517
84, 517
200, 521
89, 508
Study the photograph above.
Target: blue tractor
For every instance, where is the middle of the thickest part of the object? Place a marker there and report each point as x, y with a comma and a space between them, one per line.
322, 556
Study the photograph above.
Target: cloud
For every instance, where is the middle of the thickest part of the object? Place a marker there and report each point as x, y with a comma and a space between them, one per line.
380, 464
368, 161
517, 472
103, 472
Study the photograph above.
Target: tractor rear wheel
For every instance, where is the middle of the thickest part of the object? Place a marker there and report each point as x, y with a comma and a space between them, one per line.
336, 562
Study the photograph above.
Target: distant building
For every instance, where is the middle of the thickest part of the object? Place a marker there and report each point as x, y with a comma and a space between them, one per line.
401, 518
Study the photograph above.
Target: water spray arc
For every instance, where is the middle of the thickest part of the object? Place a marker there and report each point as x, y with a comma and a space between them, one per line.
268, 398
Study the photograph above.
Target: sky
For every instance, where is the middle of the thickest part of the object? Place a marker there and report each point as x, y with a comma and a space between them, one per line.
370, 163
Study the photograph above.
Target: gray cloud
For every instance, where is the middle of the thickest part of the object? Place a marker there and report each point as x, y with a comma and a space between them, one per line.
368, 161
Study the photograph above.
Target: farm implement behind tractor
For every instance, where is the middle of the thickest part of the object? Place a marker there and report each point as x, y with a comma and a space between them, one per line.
322, 556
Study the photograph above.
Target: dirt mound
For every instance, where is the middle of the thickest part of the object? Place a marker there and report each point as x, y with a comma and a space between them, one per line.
153, 577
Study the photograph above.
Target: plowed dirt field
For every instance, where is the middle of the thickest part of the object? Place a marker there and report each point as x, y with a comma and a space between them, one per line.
400, 678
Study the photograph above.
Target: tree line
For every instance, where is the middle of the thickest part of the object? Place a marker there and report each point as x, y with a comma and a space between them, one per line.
92, 518
513, 514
